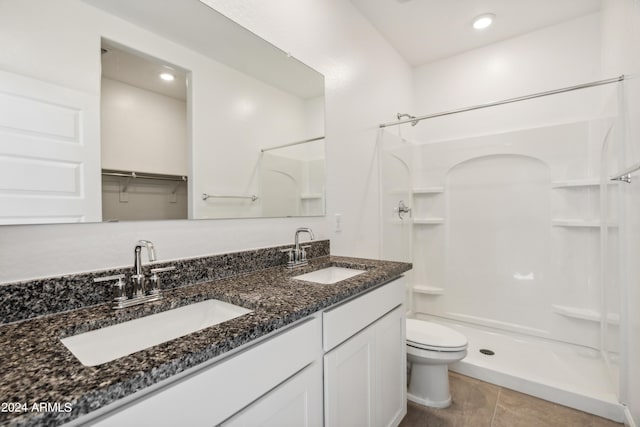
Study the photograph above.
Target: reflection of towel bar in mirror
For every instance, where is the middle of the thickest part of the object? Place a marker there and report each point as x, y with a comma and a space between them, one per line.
144, 175
293, 143
206, 196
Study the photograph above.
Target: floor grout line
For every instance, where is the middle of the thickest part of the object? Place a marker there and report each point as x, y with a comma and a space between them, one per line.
495, 408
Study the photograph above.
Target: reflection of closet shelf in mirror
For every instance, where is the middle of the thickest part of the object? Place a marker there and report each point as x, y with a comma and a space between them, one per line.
428, 221
144, 175
428, 190
591, 223
427, 290
584, 314
310, 196
577, 183
206, 196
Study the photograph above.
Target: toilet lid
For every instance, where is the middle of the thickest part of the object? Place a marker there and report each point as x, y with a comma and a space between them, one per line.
432, 335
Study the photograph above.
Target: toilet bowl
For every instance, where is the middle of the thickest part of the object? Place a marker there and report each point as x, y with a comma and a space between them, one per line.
430, 349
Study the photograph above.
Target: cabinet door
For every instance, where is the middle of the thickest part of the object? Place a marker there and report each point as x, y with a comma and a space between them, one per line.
391, 372
365, 377
348, 382
295, 403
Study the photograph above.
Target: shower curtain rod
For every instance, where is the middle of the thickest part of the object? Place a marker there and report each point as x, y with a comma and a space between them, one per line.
293, 143
507, 101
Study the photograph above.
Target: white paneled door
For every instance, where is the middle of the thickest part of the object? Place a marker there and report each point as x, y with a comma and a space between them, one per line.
49, 152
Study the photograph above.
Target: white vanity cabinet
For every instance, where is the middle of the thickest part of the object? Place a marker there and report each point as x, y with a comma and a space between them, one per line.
365, 363
358, 345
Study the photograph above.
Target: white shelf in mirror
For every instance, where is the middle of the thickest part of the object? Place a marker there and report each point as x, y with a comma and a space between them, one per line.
310, 196
427, 290
578, 183
428, 190
572, 183
584, 223
428, 221
584, 314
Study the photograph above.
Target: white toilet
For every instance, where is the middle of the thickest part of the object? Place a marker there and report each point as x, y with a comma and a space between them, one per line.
430, 349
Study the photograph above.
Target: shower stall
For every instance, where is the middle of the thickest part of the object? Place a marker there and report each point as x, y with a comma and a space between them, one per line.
510, 214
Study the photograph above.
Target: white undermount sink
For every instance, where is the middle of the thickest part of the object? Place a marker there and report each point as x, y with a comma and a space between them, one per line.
112, 342
329, 275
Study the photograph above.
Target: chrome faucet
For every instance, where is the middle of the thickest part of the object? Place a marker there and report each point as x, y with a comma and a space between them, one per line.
138, 279
139, 289
298, 254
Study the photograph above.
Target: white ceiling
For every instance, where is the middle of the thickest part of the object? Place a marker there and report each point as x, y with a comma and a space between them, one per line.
142, 71
426, 30
198, 27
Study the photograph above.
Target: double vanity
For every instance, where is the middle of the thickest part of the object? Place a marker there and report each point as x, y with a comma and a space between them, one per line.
321, 344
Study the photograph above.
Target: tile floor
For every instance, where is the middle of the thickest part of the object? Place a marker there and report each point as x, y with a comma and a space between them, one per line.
480, 404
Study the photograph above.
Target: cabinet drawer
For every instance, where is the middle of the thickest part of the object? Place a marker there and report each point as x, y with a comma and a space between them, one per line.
345, 320
211, 395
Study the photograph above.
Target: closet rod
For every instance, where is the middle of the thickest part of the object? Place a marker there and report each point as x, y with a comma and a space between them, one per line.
293, 143
507, 101
144, 175
206, 196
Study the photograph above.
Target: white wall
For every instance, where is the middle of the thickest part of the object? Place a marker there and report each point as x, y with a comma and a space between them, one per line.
550, 58
253, 116
367, 83
620, 54
142, 131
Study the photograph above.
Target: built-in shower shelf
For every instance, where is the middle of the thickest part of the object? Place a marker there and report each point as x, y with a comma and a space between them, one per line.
428, 221
585, 314
311, 196
428, 190
427, 290
579, 223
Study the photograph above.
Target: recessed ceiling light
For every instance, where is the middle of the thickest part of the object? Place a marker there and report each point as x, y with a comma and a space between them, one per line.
483, 21
167, 77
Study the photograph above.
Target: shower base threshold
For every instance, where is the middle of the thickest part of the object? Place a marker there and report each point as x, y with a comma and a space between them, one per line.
565, 374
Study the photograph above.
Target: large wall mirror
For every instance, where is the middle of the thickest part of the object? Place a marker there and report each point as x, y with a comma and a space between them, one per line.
118, 110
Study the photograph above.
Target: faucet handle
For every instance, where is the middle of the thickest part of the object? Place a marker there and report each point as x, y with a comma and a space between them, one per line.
155, 279
162, 269
290, 255
303, 252
119, 290
108, 278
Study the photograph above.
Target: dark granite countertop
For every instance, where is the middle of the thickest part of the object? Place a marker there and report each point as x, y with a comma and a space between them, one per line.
37, 368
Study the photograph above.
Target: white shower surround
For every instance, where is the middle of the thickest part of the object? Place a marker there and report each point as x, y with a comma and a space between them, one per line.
517, 242
505, 236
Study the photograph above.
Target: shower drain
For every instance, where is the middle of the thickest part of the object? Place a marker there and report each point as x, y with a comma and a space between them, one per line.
487, 351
